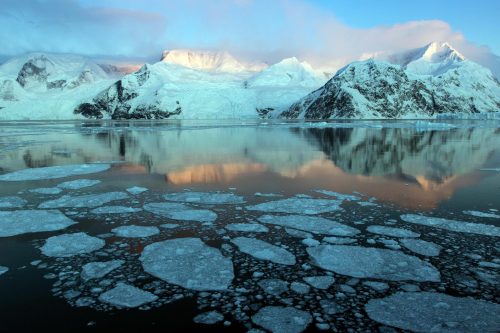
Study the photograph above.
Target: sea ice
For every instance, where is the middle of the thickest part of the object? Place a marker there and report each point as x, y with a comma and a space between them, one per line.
377, 286
12, 202
481, 214
135, 231
19, 222
211, 198
453, 225
189, 263
298, 233
88, 201
98, 269
135, 190
391, 231
264, 251
339, 196
54, 172
279, 319
78, 184
180, 212
246, 227
68, 245
274, 287
300, 288
46, 190
169, 225
115, 210
298, 206
421, 247
363, 262
209, 318
320, 282
3, 270
339, 240
434, 312
310, 223
128, 296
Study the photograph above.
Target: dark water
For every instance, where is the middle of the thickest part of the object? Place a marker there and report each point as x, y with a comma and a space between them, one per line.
435, 171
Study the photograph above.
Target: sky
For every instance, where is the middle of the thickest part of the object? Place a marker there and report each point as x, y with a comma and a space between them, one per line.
323, 32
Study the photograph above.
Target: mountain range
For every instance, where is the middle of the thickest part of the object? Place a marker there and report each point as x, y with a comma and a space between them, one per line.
418, 83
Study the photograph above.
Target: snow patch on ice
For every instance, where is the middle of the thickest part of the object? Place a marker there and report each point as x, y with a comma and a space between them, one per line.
264, 251
54, 172
135, 231
125, 295
71, 244
452, 225
310, 223
87, 201
20, 222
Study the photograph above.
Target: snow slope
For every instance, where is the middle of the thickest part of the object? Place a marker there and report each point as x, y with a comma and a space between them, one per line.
421, 84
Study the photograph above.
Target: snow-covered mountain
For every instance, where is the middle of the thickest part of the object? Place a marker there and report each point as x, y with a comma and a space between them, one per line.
420, 83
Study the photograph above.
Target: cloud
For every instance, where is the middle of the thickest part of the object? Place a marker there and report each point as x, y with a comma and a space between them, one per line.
252, 29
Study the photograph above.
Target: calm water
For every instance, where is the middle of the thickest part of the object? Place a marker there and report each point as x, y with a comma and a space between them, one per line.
397, 168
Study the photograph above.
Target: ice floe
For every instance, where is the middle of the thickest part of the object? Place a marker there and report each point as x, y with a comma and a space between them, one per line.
377, 286
12, 202
274, 287
246, 227
46, 190
320, 282
434, 312
135, 231
19, 222
87, 201
298, 233
125, 295
452, 225
211, 198
189, 263
264, 251
391, 231
300, 288
115, 210
98, 269
481, 214
340, 196
339, 240
169, 225
3, 270
177, 211
54, 172
298, 206
421, 247
363, 262
279, 319
209, 318
68, 245
310, 223
78, 184
135, 190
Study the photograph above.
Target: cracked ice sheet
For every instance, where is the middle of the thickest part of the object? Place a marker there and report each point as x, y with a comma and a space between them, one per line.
298, 206
115, 210
87, 201
264, 251
181, 212
452, 225
310, 223
125, 295
20, 222
363, 262
481, 214
189, 263
135, 231
78, 184
68, 245
12, 202
279, 319
246, 227
392, 232
434, 312
98, 269
215, 198
54, 172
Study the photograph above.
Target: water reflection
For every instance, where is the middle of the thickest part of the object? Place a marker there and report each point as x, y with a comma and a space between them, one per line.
400, 165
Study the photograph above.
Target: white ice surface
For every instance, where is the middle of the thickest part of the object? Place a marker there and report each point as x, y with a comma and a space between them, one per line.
135, 231
84, 201
310, 223
125, 295
452, 225
298, 206
68, 245
181, 212
20, 222
264, 251
54, 172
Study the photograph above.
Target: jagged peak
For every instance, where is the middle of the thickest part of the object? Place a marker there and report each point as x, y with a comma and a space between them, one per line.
207, 60
438, 51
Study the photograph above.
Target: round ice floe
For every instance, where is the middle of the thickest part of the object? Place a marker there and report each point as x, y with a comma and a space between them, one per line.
189, 263
87, 201
310, 223
215, 198
97, 270
71, 244
452, 225
391, 231
435, 312
298, 206
135, 231
362, 262
264, 251
128, 296
19, 222
12, 202
54, 172
78, 184
278, 319
421, 247
180, 212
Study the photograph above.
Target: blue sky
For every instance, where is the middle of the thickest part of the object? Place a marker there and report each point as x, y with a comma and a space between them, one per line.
324, 32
